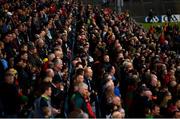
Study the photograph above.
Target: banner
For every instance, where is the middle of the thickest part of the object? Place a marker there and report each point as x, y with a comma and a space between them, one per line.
163, 18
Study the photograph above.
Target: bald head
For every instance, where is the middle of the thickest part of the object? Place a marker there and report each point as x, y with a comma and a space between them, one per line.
50, 73
88, 72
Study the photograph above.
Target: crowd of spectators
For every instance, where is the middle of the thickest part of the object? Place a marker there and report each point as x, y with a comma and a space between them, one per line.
60, 58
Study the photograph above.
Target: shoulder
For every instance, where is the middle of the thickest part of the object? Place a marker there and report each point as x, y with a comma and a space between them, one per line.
43, 102
76, 96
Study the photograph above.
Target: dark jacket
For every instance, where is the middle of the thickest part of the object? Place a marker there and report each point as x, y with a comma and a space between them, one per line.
9, 98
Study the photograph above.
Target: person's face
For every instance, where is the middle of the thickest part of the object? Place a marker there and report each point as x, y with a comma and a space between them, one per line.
14, 36
9, 78
85, 92
156, 110
11, 62
49, 91
169, 96
177, 114
34, 51
86, 48
90, 72
120, 56
50, 73
178, 104
113, 70
24, 48
58, 54
24, 56
111, 84
41, 43
117, 101
154, 81
1, 46
59, 41
43, 33
148, 94
129, 67
106, 58
51, 57
21, 63
59, 65
80, 78
8, 38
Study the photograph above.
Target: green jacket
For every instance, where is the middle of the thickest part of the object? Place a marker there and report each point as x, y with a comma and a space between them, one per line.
78, 102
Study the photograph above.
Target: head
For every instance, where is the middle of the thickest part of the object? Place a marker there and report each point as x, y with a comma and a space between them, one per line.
9, 77
40, 43
58, 53
8, 38
177, 114
58, 64
32, 49
109, 85
79, 78
117, 101
83, 89
88, 72
147, 93
46, 89
128, 66
51, 57
154, 81
1, 45
106, 58
167, 96
111, 70
78, 113
24, 56
47, 79
50, 73
24, 48
86, 47
155, 110
120, 57
178, 103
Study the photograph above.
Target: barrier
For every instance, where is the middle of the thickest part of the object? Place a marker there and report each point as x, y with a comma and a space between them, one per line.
163, 18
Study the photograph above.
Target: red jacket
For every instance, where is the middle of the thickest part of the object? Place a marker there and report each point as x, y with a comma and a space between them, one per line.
89, 108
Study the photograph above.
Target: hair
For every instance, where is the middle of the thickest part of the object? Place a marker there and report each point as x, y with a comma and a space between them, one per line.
109, 68
77, 113
154, 105
78, 63
79, 71
57, 61
45, 86
105, 78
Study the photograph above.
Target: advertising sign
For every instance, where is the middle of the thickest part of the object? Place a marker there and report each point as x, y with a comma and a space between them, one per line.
164, 18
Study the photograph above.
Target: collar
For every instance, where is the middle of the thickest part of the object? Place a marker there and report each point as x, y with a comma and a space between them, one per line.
46, 97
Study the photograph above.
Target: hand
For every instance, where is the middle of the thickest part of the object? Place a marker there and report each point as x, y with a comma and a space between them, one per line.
56, 111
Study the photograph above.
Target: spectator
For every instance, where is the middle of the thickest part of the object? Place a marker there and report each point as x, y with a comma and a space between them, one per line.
78, 100
42, 106
128, 71
8, 92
